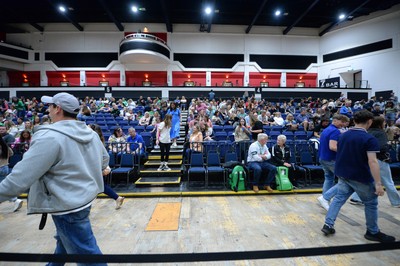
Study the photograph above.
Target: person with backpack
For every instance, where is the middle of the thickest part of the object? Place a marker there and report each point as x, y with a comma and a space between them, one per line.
257, 157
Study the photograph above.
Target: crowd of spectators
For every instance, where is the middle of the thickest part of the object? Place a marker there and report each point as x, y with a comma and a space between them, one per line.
246, 115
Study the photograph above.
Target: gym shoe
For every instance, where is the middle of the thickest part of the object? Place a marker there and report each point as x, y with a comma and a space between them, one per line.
166, 168
379, 237
118, 202
174, 145
328, 230
156, 147
323, 202
356, 202
161, 167
255, 189
17, 205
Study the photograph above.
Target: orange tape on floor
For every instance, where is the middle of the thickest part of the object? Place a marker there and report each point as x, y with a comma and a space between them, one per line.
165, 217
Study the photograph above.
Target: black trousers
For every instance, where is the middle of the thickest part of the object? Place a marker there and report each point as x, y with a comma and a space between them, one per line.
164, 148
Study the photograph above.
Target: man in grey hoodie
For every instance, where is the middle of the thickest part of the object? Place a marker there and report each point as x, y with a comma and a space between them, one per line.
63, 171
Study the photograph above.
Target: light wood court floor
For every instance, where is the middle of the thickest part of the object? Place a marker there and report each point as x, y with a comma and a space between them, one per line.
214, 224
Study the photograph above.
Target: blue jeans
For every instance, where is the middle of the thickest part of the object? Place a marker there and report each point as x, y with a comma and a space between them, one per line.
74, 235
4, 171
345, 188
387, 181
259, 170
329, 189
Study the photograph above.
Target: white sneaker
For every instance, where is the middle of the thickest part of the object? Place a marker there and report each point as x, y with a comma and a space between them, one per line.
174, 145
17, 205
166, 168
323, 202
162, 165
118, 202
156, 147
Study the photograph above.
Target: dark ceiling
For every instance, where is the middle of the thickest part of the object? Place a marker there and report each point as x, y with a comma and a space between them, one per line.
321, 14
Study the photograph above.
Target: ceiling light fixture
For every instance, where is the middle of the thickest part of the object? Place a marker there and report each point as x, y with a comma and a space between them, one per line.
277, 13
62, 9
134, 9
342, 16
208, 10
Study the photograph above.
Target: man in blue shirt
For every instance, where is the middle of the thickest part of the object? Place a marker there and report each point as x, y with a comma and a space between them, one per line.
358, 171
346, 109
133, 137
327, 156
302, 118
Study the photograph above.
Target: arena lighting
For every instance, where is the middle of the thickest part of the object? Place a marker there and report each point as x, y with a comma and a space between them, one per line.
62, 9
277, 13
208, 10
135, 9
342, 16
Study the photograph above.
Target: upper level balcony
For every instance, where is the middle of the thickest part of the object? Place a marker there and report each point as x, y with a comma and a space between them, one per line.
144, 48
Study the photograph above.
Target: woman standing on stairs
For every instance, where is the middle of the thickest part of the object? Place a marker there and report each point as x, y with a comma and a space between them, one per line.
164, 141
175, 112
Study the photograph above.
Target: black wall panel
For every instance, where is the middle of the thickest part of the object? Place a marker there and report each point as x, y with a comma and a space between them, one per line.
4, 94
195, 94
283, 61
136, 94
81, 59
368, 48
81, 94
357, 96
14, 52
208, 60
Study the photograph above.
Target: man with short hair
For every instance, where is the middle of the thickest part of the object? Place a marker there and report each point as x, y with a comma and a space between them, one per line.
8, 138
358, 173
136, 138
63, 171
257, 157
327, 156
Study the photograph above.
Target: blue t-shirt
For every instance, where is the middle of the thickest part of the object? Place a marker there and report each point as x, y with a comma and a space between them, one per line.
329, 133
138, 139
352, 160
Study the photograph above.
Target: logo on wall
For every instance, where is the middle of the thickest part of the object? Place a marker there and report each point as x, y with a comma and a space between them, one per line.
330, 83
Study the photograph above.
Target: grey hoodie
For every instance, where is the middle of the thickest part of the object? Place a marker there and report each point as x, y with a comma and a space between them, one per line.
62, 169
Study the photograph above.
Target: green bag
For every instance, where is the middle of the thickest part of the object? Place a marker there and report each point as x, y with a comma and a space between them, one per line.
282, 179
237, 179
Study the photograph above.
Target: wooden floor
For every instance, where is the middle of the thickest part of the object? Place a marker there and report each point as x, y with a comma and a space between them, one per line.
214, 224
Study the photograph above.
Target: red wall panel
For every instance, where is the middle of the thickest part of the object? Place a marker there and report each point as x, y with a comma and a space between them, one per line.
218, 78
17, 78
135, 78
309, 79
55, 77
179, 78
273, 79
94, 77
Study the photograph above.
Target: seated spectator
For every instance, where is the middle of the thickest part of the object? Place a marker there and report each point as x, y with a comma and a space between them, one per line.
145, 120
242, 133
320, 127
129, 115
290, 123
280, 156
357, 106
45, 120
117, 141
256, 125
257, 157
136, 138
84, 113
28, 126
264, 118
278, 120
376, 109
303, 119
20, 124
11, 128
22, 143
196, 139
390, 113
115, 110
346, 109
8, 138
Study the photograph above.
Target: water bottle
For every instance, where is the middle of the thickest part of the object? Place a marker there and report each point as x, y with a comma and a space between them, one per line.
282, 171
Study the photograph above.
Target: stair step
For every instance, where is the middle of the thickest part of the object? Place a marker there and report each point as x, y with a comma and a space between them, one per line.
154, 171
171, 157
157, 163
168, 180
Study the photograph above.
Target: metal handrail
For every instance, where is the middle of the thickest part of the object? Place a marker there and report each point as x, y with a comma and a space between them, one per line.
143, 36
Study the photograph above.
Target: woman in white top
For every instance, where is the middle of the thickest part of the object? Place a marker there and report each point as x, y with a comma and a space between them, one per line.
278, 120
164, 141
